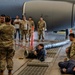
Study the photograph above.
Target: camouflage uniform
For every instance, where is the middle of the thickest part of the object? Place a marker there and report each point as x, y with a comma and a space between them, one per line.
6, 46
30, 24
24, 29
71, 53
41, 28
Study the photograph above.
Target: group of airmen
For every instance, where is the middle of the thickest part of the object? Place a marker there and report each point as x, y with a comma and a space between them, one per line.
26, 28
7, 31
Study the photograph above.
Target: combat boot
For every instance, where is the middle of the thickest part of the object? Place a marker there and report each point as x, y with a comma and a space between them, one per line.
1, 72
38, 41
42, 40
26, 41
9, 72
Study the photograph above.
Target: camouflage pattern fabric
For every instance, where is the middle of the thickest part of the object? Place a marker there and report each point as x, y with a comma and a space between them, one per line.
6, 55
72, 51
6, 35
41, 28
6, 46
23, 30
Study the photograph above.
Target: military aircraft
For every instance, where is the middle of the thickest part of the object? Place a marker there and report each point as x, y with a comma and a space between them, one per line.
58, 14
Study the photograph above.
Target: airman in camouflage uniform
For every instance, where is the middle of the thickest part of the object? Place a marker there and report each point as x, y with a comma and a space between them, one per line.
24, 28
30, 24
71, 50
41, 29
6, 46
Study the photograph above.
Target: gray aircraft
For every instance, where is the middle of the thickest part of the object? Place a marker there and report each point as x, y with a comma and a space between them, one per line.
58, 14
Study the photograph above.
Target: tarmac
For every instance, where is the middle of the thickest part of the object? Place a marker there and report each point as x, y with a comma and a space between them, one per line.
54, 56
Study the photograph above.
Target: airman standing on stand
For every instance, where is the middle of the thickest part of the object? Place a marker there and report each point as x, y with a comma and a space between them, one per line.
24, 28
41, 29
